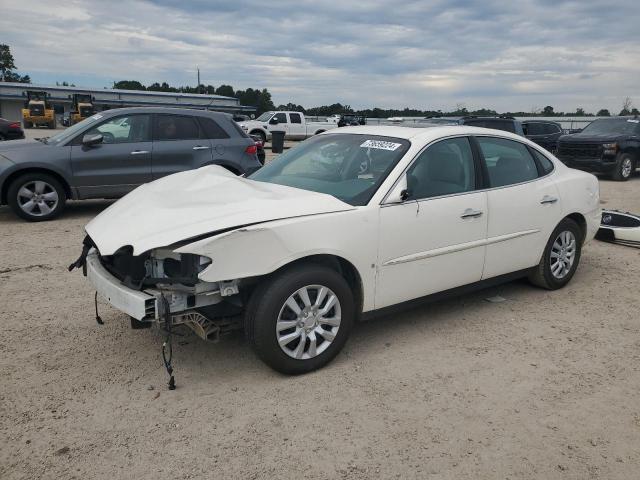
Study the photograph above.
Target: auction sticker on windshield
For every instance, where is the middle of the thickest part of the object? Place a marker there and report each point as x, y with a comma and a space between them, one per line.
381, 145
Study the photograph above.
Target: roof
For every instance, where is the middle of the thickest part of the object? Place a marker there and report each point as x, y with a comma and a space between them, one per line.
426, 134
32, 86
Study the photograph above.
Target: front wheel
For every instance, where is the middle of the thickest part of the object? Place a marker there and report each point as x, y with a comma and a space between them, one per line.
300, 319
625, 167
36, 197
560, 258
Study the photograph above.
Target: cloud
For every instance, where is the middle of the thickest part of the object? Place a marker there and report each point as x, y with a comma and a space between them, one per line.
506, 56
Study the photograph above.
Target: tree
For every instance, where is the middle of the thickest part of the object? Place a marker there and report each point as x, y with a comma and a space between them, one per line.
225, 91
603, 113
580, 112
626, 107
128, 85
548, 111
7, 64
634, 111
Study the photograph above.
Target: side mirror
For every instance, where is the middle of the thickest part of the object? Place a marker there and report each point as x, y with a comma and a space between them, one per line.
400, 192
91, 140
273, 121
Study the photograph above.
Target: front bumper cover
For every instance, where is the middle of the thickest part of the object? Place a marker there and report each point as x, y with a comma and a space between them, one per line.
139, 305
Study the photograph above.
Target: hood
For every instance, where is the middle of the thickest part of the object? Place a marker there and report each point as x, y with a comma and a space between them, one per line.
14, 149
199, 202
585, 137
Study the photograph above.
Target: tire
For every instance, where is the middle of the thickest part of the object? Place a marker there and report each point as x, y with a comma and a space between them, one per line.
50, 199
319, 132
268, 308
260, 134
625, 167
543, 275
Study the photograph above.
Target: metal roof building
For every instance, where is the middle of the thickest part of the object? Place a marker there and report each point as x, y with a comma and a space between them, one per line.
13, 96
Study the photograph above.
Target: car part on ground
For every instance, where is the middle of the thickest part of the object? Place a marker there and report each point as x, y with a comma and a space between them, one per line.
607, 145
620, 227
111, 153
341, 226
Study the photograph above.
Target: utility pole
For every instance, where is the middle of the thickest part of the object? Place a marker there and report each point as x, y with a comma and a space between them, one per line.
198, 68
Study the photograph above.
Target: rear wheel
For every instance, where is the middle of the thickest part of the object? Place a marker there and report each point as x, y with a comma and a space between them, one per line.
300, 319
36, 197
625, 166
560, 258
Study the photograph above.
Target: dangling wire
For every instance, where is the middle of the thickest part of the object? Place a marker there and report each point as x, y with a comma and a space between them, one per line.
167, 347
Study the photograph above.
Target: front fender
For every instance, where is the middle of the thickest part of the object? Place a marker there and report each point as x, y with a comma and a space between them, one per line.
262, 249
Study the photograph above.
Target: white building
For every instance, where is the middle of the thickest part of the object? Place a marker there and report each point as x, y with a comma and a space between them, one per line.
14, 95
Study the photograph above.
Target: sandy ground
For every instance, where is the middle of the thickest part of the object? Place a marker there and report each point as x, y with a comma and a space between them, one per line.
544, 385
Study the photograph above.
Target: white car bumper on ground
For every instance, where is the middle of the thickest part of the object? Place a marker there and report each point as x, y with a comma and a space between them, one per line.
137, 304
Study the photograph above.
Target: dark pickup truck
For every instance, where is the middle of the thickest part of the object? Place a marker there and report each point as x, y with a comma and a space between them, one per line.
606, 145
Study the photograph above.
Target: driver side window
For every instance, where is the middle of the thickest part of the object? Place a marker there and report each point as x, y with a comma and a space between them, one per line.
281, 117
128, 129
444, 168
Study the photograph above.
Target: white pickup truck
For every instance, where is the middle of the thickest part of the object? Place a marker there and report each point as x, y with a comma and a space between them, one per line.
293, 123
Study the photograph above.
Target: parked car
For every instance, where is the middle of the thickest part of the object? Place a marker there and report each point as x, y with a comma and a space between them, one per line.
606, 145
543, 132
294, 125
109, 154
259, 148
351, 119
349, 223
508, 124
10, 130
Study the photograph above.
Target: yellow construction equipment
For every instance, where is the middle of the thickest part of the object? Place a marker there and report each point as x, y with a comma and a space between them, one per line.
37, 110
82, 107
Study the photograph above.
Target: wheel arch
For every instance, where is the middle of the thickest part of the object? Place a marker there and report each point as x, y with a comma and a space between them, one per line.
18, 173
335, 262
581, 221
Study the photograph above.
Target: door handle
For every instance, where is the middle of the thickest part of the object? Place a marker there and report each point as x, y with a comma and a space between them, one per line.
548, 199
471, 213
139, 152
201, 147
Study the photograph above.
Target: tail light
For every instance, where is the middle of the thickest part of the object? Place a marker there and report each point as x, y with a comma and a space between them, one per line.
251, 149
14, 125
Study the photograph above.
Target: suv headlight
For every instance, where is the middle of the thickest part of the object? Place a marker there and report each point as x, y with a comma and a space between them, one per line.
610, 148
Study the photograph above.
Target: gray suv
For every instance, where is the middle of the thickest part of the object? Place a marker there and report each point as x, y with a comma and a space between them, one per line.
112, 152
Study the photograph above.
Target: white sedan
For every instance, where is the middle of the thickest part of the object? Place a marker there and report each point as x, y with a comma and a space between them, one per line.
347, 223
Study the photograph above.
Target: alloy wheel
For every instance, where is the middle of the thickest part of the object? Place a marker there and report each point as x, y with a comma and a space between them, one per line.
308, 322
627, 165
563, 254
37, 198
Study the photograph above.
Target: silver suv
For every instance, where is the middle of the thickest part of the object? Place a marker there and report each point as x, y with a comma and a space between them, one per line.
112, 152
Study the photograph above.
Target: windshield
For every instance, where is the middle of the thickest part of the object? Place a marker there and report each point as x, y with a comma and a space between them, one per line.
349, 167
264, 117
619, 126
71, 132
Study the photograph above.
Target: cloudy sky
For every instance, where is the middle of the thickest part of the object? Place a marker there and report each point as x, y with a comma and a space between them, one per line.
516, 55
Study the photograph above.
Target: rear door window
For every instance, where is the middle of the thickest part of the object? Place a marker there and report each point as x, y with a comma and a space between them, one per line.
211, 129
295, 118
535, 128
544, 162
176, 127
508, 162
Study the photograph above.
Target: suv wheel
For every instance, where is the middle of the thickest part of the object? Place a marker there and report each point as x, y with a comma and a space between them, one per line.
560, 258
625, 166
36, 197
260, 134
300, 319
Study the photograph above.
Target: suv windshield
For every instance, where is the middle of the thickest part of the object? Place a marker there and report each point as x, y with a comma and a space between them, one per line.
349, 167
614, 126
264, 117
71, 132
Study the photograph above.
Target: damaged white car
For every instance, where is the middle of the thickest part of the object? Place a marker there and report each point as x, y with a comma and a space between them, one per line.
350, 222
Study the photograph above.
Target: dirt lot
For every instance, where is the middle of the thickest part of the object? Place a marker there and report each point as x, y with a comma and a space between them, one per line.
544, 385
